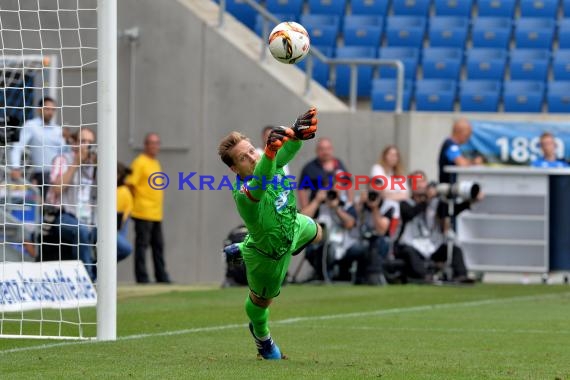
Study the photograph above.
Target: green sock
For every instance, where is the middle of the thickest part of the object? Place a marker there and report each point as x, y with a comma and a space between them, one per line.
259, 316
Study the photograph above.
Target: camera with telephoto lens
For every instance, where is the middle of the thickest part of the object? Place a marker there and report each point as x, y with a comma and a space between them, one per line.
466, 190
331, 195
373, 195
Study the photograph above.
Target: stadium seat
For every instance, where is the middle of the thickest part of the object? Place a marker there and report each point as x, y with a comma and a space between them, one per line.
384, 92
321, 70
566, 9
294, 7
448, 31
492, 32
270, 24
410, 58
496, 8
435, 95
461, 8
328, 7
523, 96
442, 63
363, 30
411, 7
342, 85
561, 65
558, 97
534, 33
483, 63
529, 64
242, 11
405, 31
564, 33
323, 29
479, 95
369, 7
539, 8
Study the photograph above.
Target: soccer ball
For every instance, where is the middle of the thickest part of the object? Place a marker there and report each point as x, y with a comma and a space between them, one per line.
289, 42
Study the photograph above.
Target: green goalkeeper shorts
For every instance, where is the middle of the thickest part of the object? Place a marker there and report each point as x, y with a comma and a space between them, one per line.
265, 275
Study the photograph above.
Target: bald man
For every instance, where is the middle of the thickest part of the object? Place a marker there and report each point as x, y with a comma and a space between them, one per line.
450, 154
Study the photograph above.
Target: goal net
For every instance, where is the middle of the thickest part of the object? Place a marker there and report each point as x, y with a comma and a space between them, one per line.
54, 240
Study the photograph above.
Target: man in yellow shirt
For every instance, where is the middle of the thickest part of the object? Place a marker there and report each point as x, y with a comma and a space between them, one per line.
147, 212
124, 210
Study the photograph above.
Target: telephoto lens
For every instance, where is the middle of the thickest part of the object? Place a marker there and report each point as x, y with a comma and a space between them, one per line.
372, 196
331, 195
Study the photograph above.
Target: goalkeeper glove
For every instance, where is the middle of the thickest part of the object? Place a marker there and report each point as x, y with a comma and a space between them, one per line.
276, 139
305, 126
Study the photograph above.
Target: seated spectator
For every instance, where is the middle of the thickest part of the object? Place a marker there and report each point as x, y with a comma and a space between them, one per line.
338, 219
124, 208
421, 241
549, 159
389, 165
450, 153
72, 190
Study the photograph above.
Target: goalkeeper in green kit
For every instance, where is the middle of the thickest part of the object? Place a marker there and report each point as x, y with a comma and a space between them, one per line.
267, 204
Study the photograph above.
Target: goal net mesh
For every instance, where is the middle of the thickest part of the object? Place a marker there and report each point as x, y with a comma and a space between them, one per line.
48, 167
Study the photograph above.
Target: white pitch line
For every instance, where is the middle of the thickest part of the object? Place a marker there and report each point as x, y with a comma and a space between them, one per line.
397, 310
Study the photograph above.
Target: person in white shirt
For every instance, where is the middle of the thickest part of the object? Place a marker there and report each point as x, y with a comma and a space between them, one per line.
72, 189
389, 166
45, 140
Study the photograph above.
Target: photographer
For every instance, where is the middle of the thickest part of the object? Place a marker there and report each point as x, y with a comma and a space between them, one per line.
375, 215
71, 195
338, 217
422, 241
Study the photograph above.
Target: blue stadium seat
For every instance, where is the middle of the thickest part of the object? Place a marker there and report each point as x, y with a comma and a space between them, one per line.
448, 31
561, 65
523, 96
534, 33
539, 8
294, 7
435, 95
271, 24
328, 7
496, 8
242, 11
323, 29
384, 93
558, 97
363, 30
411, 7
405, 31
564, 33
479, 95
410, 58
529, 64
321, 70
342, 86
460, 8
442, 63
492, 32
483, 63
566, 8
369, 7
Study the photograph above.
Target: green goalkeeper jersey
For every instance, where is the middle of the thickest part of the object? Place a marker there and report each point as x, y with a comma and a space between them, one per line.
268, 205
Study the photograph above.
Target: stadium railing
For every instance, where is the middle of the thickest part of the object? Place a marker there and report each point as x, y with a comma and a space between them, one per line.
314, 53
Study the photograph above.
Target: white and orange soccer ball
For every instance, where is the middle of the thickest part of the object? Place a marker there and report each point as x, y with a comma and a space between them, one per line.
289, 42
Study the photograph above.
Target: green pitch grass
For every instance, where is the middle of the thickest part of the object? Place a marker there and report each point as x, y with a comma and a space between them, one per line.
329, 332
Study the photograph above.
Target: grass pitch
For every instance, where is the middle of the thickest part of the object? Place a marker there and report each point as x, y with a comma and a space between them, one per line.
328, 332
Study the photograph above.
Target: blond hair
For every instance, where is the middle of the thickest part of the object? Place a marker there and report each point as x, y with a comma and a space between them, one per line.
227, 144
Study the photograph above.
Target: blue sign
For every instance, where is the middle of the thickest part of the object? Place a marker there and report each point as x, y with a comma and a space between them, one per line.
515, 143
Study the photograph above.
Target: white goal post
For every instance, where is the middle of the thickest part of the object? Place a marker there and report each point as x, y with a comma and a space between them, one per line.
58, 233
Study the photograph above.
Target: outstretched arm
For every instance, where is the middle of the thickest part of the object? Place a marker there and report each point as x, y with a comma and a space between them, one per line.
304, 128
